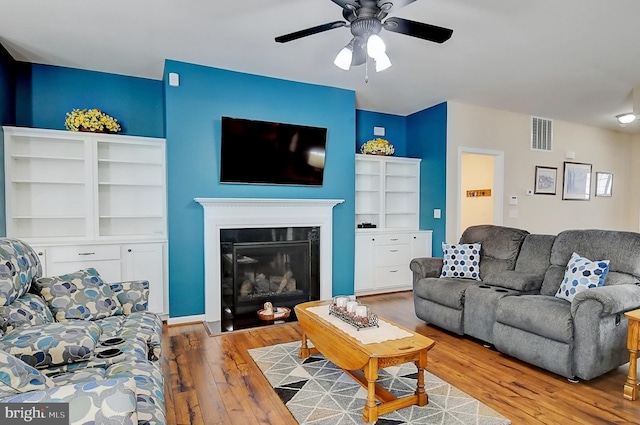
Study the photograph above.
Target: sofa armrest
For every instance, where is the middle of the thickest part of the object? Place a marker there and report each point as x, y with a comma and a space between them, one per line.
425, 267
613, 299
112, 401
133, 295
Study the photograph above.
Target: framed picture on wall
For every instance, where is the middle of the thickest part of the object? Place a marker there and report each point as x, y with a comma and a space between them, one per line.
604, 184
577, 181
545, 183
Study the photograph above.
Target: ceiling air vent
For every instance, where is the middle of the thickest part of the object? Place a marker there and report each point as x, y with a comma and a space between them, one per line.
541, 134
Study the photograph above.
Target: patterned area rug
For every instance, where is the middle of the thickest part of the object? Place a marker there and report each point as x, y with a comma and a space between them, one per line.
317, 392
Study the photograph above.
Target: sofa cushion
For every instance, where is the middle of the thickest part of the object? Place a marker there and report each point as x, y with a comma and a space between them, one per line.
19, 266
17, 377
461, 261
500, 246
534, 254
52, 343
132, 295
518, 281
621, 248
546, 316
29, 309
79, 295
447, 291
109, 401
580, 275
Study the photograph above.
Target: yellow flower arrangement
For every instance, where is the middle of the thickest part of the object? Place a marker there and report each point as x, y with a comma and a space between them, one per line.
93, 120
377, 147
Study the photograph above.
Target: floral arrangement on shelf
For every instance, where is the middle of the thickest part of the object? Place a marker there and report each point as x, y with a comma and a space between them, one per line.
377, 147
92, 120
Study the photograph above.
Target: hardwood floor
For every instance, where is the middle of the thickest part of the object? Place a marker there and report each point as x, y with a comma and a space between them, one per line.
212, 380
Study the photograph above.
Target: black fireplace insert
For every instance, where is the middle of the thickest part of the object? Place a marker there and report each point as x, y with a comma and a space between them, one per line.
275, 265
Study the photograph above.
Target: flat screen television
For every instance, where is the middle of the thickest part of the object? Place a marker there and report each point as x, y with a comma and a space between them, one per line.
263, 152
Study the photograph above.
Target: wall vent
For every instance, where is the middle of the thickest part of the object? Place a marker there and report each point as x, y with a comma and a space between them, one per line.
541, 134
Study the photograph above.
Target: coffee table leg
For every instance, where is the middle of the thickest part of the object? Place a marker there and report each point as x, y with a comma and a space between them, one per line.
421, 364
370, 411
303, 352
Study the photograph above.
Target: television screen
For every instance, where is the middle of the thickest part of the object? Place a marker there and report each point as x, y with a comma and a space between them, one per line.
271, 153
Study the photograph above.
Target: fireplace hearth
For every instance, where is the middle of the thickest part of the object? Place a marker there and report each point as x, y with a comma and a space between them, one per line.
278, 265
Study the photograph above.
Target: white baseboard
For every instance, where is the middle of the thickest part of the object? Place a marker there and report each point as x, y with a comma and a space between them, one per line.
185, 319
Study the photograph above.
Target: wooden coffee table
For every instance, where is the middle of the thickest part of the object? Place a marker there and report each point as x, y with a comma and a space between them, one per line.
633, 344
362, 361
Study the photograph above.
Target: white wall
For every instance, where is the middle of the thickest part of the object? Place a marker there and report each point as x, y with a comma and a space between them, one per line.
473, 126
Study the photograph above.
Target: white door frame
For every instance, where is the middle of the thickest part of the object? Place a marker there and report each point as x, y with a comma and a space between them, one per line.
498, 183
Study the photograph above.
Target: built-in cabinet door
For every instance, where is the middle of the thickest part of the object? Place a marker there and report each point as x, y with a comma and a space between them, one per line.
421, 244
145, 262
365, 263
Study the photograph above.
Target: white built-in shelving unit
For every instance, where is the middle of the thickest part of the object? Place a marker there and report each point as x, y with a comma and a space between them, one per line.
387, 196
90, 200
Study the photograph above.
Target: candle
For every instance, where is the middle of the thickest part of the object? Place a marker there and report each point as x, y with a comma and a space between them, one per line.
351, 306
340, 302
362, 311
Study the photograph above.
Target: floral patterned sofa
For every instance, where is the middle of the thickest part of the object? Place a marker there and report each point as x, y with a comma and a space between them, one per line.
74, 338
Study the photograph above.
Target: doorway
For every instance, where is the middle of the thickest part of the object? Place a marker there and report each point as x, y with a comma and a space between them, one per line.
480, 187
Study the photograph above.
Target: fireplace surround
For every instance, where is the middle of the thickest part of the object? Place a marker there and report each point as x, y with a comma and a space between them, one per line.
241, 213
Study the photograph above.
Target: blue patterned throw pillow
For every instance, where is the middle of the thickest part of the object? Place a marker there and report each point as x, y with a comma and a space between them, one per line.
461, 261
582, 274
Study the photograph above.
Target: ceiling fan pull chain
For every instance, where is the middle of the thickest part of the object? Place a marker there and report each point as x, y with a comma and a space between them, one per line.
366, 70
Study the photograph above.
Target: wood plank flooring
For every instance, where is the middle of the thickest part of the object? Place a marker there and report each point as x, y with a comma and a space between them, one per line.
212, 380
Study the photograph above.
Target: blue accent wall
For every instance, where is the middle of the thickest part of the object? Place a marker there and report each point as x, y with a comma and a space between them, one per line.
192, 119
427, 135
395, 129
7, 116
46, 93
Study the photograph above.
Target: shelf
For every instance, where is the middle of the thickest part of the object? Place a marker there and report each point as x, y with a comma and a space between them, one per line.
131, 162
141, 185
407, 176
47, 217
51, 158
131, 216
46, 182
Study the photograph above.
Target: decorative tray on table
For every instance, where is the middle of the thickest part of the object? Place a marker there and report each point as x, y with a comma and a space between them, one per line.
370, 320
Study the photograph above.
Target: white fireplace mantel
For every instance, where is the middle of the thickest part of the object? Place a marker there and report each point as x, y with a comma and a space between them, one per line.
239, 213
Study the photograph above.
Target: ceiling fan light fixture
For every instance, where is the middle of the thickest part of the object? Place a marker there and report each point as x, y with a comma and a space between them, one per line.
382, 62
375, 46
343, 59
626, 118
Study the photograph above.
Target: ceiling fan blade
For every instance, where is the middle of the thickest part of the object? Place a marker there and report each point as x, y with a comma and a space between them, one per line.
394, 5
310, 31
418, 29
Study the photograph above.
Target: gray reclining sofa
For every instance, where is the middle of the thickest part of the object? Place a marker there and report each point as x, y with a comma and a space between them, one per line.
514, 305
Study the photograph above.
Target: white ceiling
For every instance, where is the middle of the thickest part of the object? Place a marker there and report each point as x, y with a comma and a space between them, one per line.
570, 60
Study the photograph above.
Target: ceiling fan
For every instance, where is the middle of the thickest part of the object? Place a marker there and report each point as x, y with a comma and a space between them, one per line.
366, 18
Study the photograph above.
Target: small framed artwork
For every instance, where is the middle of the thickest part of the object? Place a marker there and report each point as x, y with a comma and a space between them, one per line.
604, 184
545, 183
577, 181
